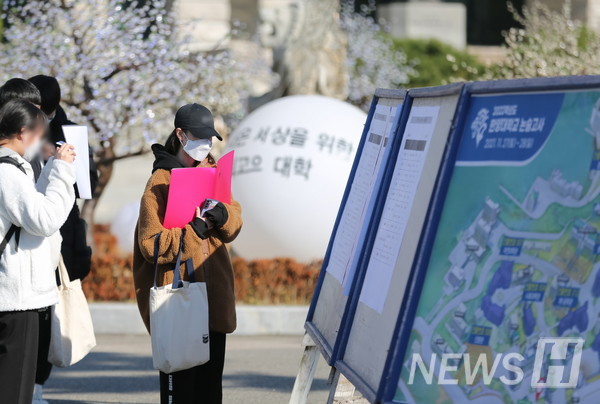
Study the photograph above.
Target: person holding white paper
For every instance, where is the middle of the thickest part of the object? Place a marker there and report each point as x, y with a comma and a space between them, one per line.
30, 218
202, 243
74, 249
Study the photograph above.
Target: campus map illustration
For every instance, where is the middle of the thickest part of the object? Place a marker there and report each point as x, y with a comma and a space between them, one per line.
517, 253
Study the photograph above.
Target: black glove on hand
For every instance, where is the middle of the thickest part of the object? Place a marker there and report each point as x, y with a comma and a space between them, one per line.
217, 215
200, 228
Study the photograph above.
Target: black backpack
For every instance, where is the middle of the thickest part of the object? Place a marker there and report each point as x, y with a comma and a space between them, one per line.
14, 229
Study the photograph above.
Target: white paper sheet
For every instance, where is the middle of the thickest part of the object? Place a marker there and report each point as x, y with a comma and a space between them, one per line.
396, 212
78, 137
346, 237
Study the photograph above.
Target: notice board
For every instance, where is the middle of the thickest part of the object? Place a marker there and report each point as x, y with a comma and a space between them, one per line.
337, 281
388, 252
511, 252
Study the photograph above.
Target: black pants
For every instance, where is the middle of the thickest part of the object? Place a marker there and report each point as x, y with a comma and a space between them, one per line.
199, 385
18, 354
43, 366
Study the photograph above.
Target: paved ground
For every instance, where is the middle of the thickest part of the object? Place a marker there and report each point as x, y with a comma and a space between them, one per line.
257, 370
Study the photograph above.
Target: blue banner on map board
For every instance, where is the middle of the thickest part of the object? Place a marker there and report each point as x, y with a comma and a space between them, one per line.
509, 128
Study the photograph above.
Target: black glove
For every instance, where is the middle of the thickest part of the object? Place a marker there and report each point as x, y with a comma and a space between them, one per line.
200, 227
217, 215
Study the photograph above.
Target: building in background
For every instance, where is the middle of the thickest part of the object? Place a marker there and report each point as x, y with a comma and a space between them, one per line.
587, 11
457, 22
446, 22
208, 21
482, 20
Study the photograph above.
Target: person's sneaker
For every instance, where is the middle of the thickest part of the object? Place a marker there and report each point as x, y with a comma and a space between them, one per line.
37, 395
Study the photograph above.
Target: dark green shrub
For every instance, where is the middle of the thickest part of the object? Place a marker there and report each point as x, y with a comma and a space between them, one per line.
437, 63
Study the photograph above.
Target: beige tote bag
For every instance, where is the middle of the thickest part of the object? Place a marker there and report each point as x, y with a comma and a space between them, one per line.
178, 320
71, 330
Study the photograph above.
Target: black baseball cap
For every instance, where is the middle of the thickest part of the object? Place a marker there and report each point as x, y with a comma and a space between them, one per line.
198, 120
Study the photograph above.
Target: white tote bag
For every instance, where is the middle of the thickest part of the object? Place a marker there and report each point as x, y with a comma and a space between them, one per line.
178, 320
71, 330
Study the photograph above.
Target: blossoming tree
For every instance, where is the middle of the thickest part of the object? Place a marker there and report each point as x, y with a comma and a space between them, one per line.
122, 66
371, 60
548, 43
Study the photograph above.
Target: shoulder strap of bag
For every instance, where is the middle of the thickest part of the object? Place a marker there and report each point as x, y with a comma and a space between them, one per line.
189, 264
14, 229
12, 162
63, 274
177, 282
156, 247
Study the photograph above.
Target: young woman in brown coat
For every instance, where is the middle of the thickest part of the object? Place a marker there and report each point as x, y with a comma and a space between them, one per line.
204, 241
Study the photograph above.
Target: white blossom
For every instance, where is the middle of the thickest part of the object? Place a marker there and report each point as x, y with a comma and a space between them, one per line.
371, 60
549, 43
123, 70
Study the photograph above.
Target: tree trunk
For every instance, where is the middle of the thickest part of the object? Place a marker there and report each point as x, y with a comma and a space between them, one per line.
105, 166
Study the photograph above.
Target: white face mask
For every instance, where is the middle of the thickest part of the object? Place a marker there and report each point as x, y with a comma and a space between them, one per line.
197, 149
33, 150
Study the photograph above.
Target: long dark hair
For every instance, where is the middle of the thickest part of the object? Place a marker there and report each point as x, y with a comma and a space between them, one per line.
172, 146
18, 114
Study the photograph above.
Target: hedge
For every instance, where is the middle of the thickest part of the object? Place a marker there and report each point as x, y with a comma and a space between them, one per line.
273, 281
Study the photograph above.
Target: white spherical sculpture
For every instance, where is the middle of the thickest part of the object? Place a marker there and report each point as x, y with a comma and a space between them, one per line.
292, 161
123, 226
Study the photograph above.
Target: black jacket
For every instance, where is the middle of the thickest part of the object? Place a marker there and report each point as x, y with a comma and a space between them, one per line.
74, 248
60, 119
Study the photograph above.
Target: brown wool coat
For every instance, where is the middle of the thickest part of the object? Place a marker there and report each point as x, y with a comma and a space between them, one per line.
212, 262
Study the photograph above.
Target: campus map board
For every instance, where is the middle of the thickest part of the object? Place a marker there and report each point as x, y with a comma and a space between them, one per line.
388, 255
516, 252
337, 276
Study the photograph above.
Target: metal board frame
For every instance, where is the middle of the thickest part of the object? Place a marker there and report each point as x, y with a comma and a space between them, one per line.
404, 325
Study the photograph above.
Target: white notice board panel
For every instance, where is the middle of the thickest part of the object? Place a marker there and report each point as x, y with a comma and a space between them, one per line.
337, 275
401, 195
346, 237
390, 252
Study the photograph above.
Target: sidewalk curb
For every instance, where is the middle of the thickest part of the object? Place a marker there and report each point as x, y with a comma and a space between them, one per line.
124, 318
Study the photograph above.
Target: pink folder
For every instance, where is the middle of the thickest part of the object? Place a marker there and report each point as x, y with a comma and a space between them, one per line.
190, 187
